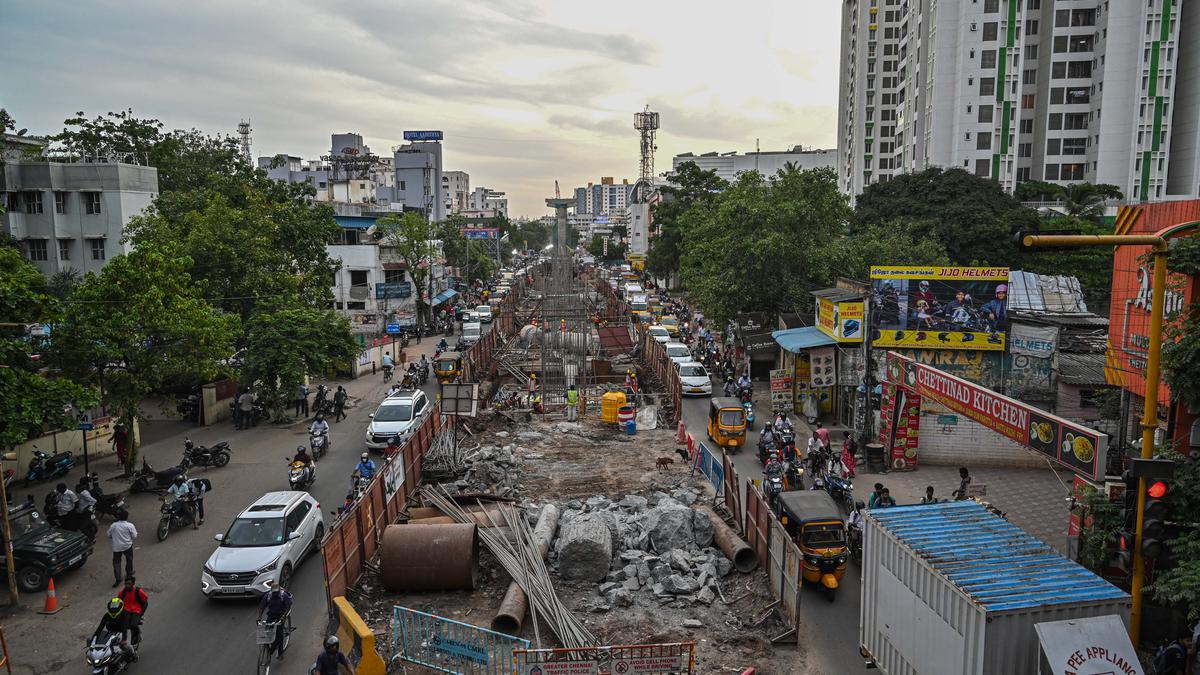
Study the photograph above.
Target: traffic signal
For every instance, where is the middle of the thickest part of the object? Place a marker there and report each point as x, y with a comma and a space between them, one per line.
1126, 535
1154, 519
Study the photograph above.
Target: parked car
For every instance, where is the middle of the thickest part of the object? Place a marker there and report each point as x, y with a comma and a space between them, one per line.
41, 551
694, 378
660, 333
397, 415
264, 544
678, 352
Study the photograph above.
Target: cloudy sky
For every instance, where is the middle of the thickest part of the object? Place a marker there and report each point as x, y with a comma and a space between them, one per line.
526, 91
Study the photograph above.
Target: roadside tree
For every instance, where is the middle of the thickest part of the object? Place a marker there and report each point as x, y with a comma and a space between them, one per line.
411, 237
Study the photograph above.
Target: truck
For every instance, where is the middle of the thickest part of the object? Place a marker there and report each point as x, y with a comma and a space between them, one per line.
41, 551
955, 589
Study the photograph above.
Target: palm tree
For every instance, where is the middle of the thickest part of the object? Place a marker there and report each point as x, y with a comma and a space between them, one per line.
1080, 200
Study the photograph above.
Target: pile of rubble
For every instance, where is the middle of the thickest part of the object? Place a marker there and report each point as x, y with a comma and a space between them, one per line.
490, 469
656, 544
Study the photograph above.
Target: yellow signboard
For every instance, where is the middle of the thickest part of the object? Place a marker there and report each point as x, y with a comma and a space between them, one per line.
842, 321
916, 307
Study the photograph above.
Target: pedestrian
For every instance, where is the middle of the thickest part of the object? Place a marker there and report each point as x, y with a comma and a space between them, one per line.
964, 482
135, 601
849, 452
302, 400
199, 488
885, 499
572, 402
339, 404
245, 410
120, 443
929, 498
822, 434
1172, 659
121, 534
64, 506
871, 500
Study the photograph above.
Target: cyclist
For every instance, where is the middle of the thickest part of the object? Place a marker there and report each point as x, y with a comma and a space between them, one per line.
276, 603
388, 365
331, 661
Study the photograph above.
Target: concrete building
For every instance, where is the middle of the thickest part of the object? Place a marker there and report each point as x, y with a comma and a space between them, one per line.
729, 164
1063, 91
607, 197
456, 190
73, 215
487, 199
418, 167
349, 174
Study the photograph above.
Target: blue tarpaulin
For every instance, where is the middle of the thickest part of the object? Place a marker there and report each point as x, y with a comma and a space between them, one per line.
796, 339
444, 296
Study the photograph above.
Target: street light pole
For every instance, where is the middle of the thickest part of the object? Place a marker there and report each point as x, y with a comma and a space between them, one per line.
1158, 290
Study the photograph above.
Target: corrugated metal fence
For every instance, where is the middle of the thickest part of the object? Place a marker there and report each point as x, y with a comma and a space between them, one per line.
656, 359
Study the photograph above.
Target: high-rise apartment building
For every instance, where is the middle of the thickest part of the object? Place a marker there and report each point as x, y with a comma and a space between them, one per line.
605, 198
456, 190
1062, 91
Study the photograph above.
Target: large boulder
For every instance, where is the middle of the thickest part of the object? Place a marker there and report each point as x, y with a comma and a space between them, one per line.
670, 525
584, 548
702, 529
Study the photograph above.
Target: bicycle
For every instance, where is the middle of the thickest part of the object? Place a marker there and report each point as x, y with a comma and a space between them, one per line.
266, 636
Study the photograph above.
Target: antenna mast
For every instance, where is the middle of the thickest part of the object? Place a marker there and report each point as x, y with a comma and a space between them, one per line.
647, 123
244, 133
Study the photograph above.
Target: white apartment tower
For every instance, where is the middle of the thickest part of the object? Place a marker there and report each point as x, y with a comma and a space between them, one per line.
1015, 90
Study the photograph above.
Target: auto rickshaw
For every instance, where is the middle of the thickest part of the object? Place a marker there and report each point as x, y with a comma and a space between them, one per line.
727, 422
815, 523
448, 367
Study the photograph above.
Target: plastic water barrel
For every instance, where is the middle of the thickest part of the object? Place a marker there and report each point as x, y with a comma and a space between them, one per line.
625, 414
631, 428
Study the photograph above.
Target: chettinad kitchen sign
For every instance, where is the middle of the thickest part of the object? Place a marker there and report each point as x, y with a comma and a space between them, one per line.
1076, 447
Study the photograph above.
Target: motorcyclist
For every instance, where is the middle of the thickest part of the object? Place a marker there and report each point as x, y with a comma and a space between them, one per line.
319, 426
743, 382
774, 468
442, 345
181, 490
302, 456
331, 661
116, 620
365, 467
730, 389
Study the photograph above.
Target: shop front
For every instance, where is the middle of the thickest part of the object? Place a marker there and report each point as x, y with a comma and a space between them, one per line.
808, 354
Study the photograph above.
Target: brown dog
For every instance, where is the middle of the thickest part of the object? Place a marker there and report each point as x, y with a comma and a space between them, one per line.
663, 462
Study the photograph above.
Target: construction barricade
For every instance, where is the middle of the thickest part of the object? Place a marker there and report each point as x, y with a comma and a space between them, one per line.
670, 658
358, 640
451, 646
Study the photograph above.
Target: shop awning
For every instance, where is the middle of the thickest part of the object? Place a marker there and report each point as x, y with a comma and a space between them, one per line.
444, 296
796, 339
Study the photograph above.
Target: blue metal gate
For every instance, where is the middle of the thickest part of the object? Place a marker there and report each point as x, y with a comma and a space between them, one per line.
451, 646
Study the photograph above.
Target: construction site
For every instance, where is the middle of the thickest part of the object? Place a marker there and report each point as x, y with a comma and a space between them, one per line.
509, 536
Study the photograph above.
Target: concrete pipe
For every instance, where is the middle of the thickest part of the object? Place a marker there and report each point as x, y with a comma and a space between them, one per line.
429, 558
511, 615
734, 547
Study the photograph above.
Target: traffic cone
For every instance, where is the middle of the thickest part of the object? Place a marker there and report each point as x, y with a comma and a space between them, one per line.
51, 606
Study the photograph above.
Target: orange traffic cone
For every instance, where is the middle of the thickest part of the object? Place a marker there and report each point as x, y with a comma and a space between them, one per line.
51, 606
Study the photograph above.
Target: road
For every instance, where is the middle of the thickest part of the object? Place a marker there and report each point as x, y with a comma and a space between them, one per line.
184, 631
828, 631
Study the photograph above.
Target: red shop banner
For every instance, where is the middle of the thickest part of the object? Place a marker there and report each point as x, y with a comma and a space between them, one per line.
900, 425
1074, 446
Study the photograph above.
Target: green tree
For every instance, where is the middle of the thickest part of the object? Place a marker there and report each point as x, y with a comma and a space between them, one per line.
972, 216
610, 251
32, 398
411, 237
759, 245
689, 187
285, 342
139, 326
470, 257
891, 243
1084, 201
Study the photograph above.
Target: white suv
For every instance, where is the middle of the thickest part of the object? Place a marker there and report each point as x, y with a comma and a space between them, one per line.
266, 543
398, 415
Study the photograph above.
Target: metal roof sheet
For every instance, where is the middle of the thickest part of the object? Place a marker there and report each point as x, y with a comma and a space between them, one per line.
796, 339
1081, 368
993, 562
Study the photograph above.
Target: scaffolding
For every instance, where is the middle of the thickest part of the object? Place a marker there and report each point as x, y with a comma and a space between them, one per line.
565, 339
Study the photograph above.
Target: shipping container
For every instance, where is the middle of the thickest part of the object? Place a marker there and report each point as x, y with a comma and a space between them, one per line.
952, 589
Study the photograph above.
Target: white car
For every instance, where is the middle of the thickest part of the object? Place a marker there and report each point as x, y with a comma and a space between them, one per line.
694, 378
660, 334
265, 544
398, 415
484, 312
678, 352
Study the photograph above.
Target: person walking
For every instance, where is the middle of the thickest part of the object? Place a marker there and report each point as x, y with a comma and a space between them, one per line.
822, 434
849, 460
121, 534
120, 443
245, 410
572, 403
339, 404
302, 400
135, 601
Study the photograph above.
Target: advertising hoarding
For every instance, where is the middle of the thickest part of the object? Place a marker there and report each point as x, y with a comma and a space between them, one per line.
939, 307
840, 320
422, 135
481, 232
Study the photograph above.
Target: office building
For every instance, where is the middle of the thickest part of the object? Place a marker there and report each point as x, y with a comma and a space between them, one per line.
487, 199
1063, 91
456, 190
418, 182
729, 164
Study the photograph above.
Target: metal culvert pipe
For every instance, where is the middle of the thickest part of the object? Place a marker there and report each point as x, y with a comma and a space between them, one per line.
440, 557
734, 547
432, 520
511, 615
418, 512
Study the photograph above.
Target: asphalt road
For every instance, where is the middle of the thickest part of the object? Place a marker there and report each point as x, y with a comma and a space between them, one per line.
184, 631
828, 631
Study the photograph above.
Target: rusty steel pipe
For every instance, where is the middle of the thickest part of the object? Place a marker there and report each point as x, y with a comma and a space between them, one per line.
734, 547
511, 615
418, 512
437, 557
432, 520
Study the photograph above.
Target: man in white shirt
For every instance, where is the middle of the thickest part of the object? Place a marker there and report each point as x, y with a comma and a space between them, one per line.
64, 506
122, 534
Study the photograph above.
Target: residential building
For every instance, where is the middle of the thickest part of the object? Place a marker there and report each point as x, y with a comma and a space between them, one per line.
418, 184
73, 215
456, 190
349, 174
607, 198
487, 199
1015, 90
729, 164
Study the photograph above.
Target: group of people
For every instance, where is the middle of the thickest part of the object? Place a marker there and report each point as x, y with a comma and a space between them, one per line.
881, 497
322, 404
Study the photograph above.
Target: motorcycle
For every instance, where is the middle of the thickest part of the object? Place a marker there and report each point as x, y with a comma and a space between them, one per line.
301, 476
189, 408
45, 467
749, 408
149, 479
793, 475
318, 444
107, 656
774, 487
258, 411
199, 455
841, 490
86, 523
176, 513
854, 540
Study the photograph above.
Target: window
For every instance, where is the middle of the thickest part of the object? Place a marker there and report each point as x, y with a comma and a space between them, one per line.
60, 202
983, 167
1029, 76
1074, 146
33, 202
1051, 172
64, 249
1071, 172
990, 31
1026, 126
1058, 70
35, 249
1079, 69
983, 141
322, 185
1031, 26
393, 276
991, 6
1079, 95
402, 182
1033, 4
356, 305
1083, 17
1060, 44
985, 113
296, 518
1075, 120
1056, 95
1052, 146
1083, 43
1031, 52
97, 248
358, 277
1028, 101
1025, 150
1022, 174
1062, 17
987, 86
362, 186
1055, 121
987, 59
91, 203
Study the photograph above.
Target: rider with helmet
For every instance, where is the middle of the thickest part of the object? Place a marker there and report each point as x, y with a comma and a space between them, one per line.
331, 661
319, 425
181, 490
117, 620
302, 456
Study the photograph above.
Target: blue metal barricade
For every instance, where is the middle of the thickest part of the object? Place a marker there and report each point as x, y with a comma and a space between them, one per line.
451, 646
711, 466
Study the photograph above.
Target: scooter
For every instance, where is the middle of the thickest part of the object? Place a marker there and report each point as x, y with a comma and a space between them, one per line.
177, 513
301, 476
45, 467
841, 490
149, 479
106, 656
199, 455
318, 443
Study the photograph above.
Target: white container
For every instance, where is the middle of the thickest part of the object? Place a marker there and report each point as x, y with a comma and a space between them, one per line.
952, 589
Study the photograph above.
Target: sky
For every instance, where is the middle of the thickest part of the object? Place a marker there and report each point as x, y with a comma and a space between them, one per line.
526, 91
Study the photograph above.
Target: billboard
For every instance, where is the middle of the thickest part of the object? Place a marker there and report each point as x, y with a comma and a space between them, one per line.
939, 307
841, 320
481, 232
422, 135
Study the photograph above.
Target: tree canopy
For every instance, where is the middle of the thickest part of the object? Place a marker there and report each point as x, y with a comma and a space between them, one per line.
411, 237
690, 187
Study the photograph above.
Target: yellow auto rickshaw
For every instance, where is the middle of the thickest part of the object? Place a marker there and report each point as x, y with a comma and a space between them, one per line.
727, 422
815, 523
448, 367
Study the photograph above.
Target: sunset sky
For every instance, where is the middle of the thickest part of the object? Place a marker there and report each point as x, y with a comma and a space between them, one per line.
526, 91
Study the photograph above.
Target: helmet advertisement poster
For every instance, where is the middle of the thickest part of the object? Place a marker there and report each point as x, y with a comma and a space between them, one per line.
939, 307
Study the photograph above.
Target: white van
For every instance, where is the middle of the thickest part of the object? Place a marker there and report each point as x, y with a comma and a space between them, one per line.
470, 334
484, 313
633, 289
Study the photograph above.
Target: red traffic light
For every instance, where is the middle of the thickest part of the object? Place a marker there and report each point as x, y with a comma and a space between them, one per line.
1157, 490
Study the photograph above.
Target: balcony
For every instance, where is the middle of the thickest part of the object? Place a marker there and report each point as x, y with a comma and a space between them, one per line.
360, 292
